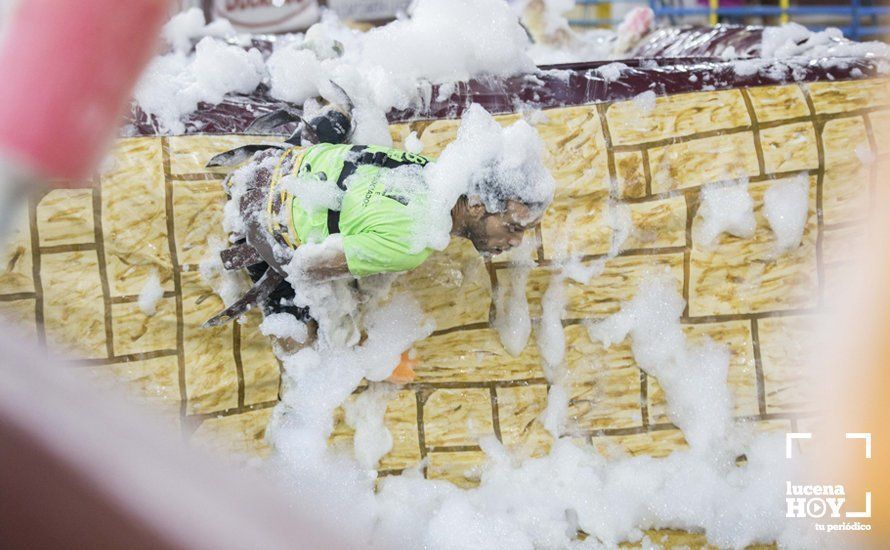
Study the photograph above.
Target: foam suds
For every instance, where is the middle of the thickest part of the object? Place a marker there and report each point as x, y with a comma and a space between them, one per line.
612, 71
174, 84
284, 325
439, 42
365, 414
314, 194
413, 144
512, 319
540, 502
229, 285
489, 164
785, 206
150, 294
794, 40
645, 102
529, 503
787, 50
725, 208
388, 67
185, 28
543, 502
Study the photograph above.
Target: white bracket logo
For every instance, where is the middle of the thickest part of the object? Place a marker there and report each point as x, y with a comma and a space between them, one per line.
796, 506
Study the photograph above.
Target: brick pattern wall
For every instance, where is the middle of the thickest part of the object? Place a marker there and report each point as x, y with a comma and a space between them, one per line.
73, 272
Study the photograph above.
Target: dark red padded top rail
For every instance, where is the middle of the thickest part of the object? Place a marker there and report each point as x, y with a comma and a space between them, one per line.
698, 69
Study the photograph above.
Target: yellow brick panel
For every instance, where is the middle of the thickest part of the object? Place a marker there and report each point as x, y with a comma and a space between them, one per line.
631, 175
189, 154
845, 243
604, 383
136, 332
789, 147
845, 184
210, 373
604, 294
457, 417
341, 438
452, 286
259, 364
20, 313
197, 215
880, 123
16, 267
241, 435
398, 133
578, 224
473, 355
700, 161
657, 224
152, 382
773, 103
741, 377
676, 116
518, 410
73, 307
838, 97
658, 443
575, 150
401, 420
437, 135
65, 216
134, 217
463, 468
784, 346
840, 279
745, 275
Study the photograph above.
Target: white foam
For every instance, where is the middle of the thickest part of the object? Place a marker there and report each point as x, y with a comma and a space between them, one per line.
550, 335
794, 40
314, 194
487, 162
185, 27
556, 414
295, 73
725, 208
151, 293
541, 502
174, 84
645, 102
621, 224
366, 414
413, 144
864, 153
229, 285
612, 71
785, 206
512, 319
284, 325
393, 66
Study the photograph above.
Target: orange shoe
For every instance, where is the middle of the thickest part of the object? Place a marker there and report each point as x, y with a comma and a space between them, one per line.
404, 371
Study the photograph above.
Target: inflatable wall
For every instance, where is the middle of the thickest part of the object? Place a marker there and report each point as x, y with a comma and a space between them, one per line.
74, 271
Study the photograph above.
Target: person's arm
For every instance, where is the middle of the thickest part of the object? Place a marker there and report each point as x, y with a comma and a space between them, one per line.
321, 262
328, 268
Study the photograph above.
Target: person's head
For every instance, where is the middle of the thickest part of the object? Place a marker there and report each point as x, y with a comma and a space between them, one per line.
498, 178
495, 232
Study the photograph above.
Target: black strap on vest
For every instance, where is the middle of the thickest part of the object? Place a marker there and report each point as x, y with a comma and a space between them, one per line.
380, 159
333, 222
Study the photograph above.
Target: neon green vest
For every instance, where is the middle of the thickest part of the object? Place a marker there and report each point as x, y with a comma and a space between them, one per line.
375, 222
